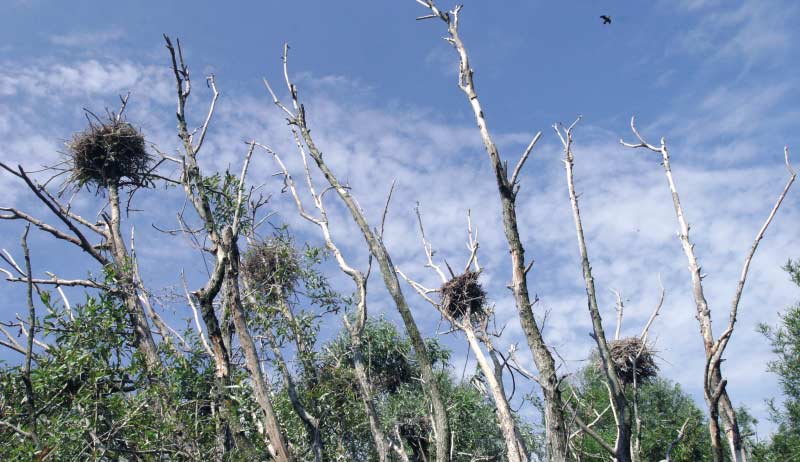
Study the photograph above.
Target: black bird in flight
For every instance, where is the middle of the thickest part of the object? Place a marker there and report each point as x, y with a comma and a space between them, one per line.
606, 19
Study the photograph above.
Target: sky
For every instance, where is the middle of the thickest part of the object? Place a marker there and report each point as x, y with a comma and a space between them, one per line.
715, 78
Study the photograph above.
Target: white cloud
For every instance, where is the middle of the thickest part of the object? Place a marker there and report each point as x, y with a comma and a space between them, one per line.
59, 81
87, 38
443, 60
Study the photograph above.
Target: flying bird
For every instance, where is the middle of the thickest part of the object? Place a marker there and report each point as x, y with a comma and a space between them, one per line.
606, 19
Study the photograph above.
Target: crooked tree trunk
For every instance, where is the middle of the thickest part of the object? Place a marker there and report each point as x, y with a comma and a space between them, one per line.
310, 422
277, 441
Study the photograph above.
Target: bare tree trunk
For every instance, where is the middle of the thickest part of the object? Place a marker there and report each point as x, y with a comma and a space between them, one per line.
555, 425
144, 336
228, 431
196, 192
123, 267
673, 443
515, 448
717, 451
277, 442
310, 422
378, 250
622, 449
365, 389
714, 385
712, 381
504, 416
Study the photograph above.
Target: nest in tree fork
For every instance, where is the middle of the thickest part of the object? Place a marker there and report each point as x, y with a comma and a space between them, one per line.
112, 153
463, 296
271, 266
624, 351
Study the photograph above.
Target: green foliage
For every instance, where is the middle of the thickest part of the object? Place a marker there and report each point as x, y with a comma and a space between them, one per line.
223, 192
401, 402
663, 408
96, 401
92, 397
785, 340
793, 268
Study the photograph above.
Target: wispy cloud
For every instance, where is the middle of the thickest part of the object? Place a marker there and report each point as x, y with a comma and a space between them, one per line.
87, 38
58, 81
751, 30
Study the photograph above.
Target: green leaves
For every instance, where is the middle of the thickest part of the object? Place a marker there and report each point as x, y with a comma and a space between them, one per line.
663, 408
785, 341
401, 403
222, 192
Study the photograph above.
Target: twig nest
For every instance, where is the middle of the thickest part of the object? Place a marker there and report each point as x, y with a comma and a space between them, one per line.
624, 352
109, 154
271, 266
463, 296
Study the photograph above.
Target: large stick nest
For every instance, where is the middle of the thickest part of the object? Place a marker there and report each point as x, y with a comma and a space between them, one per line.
271, 266
624, 351
111, 153
463, 296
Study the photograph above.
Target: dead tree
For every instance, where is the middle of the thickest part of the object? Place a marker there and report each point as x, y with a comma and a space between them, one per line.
714, 385
507, 187
355, 326
616, 391
223, 237
673, 443
297, 118
638, 362
463, 305
191, 180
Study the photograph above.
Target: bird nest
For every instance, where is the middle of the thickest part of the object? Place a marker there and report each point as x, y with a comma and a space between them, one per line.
463, 296
271, 266
111, 153
624, 351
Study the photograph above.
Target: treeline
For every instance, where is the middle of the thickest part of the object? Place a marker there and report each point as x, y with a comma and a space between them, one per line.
253, 376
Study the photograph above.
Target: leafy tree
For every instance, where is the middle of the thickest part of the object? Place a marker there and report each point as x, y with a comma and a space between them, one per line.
93, 394
663, 409
404, 408
785, 340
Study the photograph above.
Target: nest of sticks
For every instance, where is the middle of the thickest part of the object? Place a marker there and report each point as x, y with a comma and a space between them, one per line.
463, 296
110, 153
271, 266
624, 351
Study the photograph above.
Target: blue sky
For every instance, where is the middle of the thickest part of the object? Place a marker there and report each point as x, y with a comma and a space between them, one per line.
717, 78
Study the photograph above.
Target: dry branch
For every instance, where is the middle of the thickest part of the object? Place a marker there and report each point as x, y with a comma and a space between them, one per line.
297, 119
716, 395
556, 434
